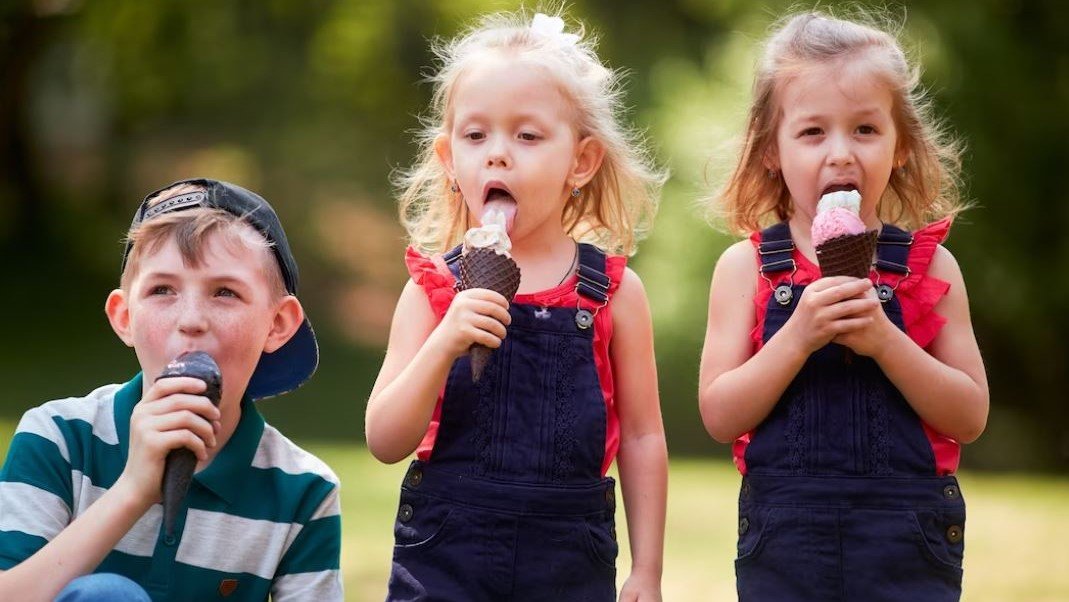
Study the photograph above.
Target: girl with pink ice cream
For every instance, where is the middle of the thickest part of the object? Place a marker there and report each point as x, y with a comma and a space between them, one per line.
846, 398
508, 497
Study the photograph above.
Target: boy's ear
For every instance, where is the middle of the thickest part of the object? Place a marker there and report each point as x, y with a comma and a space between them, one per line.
589, 155
118, 311
444, 149
288, 318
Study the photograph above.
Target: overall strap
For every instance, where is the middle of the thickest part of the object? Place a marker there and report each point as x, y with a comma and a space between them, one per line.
892, 255
452, 260
776, 249
776, 252
592, 285
892, 249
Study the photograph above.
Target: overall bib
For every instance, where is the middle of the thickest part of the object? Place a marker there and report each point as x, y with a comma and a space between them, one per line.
511, 503
841, 498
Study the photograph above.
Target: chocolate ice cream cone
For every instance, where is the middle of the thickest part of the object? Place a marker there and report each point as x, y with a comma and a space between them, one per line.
849, 255
485, 268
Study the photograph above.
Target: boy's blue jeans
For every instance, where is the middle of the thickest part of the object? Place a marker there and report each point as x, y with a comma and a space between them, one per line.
99, 587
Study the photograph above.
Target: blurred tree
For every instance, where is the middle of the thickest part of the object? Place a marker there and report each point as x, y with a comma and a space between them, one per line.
313, 103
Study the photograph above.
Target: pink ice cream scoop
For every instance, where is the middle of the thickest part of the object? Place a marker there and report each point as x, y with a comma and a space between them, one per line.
837, 215
843, 246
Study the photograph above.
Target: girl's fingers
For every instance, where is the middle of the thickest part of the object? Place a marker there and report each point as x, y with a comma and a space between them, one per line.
497, 312
822, 284
851, 308
490, 325
845, 290
850, 324
486, 339
485, 294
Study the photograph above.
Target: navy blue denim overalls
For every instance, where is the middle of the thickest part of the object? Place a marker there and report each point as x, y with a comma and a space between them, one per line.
512, 504
841, 499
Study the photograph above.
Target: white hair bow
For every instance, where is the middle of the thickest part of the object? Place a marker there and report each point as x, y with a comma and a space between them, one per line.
553, 27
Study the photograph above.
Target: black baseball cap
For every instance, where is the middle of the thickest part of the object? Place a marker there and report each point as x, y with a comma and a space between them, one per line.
293, 363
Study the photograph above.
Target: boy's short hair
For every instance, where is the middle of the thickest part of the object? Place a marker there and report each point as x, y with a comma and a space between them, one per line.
190, 230
293, 363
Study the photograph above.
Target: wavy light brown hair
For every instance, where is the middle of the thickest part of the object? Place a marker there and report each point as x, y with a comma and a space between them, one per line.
926, 187
616, 208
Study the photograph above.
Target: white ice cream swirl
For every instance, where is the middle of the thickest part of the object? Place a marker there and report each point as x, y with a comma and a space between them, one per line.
493, 234
847, 199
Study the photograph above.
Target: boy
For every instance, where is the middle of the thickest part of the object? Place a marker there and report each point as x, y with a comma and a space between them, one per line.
207, 267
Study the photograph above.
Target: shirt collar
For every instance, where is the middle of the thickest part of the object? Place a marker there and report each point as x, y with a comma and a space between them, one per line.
221, 476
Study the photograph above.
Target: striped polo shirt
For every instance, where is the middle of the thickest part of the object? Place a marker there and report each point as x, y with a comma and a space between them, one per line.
262, 519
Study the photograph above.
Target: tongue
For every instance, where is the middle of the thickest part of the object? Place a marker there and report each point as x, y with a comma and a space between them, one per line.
504, 204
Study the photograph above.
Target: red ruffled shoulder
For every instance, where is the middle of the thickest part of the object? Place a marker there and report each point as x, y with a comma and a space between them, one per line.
614, 269
919, 293
434, 276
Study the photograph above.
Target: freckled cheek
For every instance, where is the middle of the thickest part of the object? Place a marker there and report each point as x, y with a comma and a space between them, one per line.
240, 334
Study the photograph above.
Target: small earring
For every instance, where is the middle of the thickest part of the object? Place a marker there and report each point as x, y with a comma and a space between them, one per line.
772, 174
453, 187
576, 192
902, 170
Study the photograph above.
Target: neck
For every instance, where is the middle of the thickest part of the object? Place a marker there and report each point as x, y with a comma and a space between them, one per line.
545, 262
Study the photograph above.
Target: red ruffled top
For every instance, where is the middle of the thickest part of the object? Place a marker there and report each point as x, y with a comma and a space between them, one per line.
917, 293
433, 275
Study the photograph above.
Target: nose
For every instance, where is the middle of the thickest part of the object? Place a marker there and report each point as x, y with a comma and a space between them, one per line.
840, 151
192, 317
497, 153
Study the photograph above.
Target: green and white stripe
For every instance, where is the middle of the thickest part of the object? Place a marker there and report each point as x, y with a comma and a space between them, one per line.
265, 512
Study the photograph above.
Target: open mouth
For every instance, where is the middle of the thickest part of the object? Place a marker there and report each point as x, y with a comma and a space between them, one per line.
497, 196
844, 187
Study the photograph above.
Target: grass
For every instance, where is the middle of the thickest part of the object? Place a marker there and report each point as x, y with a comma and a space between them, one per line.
1015, 543
1015, 547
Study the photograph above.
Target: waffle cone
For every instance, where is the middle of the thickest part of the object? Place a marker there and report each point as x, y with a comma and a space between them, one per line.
484, 268
849, 255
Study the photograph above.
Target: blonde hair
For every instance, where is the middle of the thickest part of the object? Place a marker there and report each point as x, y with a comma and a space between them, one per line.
617, 206
191, 229
926, 185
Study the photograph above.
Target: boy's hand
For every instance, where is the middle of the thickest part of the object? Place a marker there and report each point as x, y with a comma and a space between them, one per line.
170, 416
476, 315
830, 307
640, 588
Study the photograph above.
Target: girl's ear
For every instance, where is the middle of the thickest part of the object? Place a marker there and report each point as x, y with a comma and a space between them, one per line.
770, 158
444, 149
589, 155
901, 157
117, 309
288, 317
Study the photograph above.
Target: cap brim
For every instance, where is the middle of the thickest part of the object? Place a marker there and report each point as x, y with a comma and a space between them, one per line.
288, 367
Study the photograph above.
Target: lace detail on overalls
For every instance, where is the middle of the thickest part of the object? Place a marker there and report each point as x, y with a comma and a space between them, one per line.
879, 439
483, 411
795, 433
564, 439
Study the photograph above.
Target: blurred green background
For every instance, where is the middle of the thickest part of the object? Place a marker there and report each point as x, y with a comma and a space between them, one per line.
313, 102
